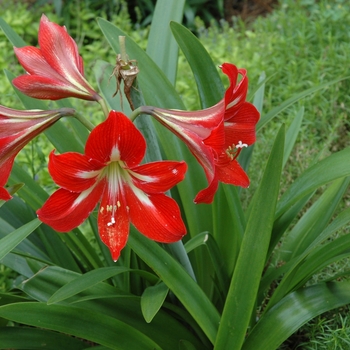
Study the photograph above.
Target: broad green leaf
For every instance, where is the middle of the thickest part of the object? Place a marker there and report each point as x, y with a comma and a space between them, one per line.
12, 36
215, 255
34, 196
79, 322
35, 338
308, 228
228, 232
282, 223
209, 84
160, 35
260, 92
10, 242
89, 280
293, 311
292, 134
321, 257
291, 270
241, 298
275, 111
113, 302
246, 153
179, 282
331, 168
185, 345
152, 300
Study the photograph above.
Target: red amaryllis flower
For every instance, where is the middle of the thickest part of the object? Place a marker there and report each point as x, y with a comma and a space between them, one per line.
17, 128
216, 135
109, 172
55, 70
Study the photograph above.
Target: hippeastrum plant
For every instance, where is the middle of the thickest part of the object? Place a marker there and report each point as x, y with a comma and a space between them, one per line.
118, 255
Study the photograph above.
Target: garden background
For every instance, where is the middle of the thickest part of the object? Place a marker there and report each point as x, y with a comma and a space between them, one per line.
298, 44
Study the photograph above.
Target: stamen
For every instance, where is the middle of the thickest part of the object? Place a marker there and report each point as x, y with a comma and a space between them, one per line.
112, 221
241, 144
231, 152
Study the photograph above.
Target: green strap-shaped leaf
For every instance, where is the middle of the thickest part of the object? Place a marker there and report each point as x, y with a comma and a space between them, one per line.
293, 311
34, 338
160, 36
209, 84
216, 257
241, 298
308, 228
90, 279
13, 239
303, 235
152, 300
275, 111
12, 36
292, 134
79, 322
113, 302
272, 274
179, 282
331, 168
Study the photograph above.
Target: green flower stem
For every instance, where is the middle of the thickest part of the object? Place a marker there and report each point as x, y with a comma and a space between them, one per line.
104, 106
84, 121
123, 54
135, 113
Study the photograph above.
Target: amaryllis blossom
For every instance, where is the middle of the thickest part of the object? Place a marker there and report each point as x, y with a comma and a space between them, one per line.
55, 70
216, 135
110, 173
17, 128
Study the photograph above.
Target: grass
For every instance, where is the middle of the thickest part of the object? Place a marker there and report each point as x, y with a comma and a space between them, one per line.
300, 45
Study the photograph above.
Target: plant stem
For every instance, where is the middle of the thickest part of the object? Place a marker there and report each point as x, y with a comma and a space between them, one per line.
84, 121
134, 114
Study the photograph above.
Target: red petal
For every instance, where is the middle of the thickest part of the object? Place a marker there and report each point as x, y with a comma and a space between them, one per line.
116, 138
113, 222
242, 126
236, 94
156, 216
66, 210
47, 88
216, 139
60, 51
207, 195
34, 63
158, 177
6, 167
233, 174
73, 171
4, 195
